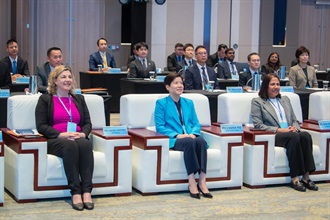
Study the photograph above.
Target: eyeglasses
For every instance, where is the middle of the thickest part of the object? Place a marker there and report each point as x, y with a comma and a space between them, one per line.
255, 61
201, 53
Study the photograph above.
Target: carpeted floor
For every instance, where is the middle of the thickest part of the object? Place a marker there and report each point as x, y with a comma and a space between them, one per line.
275, 202
272, 202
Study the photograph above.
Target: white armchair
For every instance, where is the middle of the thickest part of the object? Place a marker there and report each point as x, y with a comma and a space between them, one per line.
156, 168
31, 173
264, 163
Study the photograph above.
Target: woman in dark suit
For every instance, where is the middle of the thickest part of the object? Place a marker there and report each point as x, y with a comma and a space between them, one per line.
272, 112
273, 64
176, 117
63, 118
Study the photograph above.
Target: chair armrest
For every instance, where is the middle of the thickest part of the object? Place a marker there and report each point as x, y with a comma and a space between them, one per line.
141, 136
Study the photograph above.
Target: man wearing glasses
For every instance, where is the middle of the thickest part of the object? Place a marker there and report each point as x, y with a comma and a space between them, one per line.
198, 76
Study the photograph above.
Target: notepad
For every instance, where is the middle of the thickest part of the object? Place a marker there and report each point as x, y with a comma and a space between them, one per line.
25, 131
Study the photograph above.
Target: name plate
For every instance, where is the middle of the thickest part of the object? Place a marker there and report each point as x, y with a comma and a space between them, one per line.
324, 124
286, 89
114, 130
24, 80
160, 78
78, 91
231, 128
234, 89
0, 136
4, 93
114, 70
158, 70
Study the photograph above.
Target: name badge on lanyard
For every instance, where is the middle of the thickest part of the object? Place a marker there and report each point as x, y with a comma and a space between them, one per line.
71, 126
283, 124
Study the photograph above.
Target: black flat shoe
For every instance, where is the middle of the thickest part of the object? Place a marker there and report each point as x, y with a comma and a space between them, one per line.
310, 185
78, 206
194, 195
298, 186
206, 195
89, 205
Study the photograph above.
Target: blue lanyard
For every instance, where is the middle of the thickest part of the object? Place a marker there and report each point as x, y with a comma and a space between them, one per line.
277, 108
68, 111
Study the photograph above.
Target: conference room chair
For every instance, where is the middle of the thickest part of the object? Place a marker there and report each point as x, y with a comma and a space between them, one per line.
2, 170
31, 173
319, 106
156, 168
264, 163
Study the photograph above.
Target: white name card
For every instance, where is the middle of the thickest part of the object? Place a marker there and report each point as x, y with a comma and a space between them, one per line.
114, 130
286, 89
22, 80
231, 128
324, 124
234, 89
4, 93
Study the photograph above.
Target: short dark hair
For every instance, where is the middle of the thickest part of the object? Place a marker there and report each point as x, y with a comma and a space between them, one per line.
198, 47
300, 50
141, 44
178, 45
10, 41
222, 46
170, 77
188, 45
51, 49
251, 54
98, 41
229, 49
263, 92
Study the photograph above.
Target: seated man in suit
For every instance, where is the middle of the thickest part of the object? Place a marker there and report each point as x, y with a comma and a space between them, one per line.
42, 72
132, 57
16, 64
218, 57
197, 76
245, 78
174, 58
101, 57
5, 79
188, 60
229, 69
141, 67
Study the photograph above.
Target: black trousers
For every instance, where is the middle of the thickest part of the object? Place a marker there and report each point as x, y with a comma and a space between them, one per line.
299, 150
78, 160
194, 153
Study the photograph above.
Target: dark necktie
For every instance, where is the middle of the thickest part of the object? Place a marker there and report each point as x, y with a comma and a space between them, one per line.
179, 58
232, 68
14, 67
144, 63
204, 77
190, 63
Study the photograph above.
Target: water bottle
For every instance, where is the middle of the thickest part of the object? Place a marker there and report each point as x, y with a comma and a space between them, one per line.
33, 88
256, 82
282, 72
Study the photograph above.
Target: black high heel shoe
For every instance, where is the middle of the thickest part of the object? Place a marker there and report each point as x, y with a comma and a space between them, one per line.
206, 195
89, 205
78, 206
194, 195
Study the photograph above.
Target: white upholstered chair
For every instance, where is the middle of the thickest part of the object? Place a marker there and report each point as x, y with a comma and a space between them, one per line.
2, 170
31, 173
264, 163
158, 169
319, 106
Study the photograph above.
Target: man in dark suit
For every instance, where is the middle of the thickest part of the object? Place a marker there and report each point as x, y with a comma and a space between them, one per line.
140, 67
101, 57
188, 60
217, 57
198, 76
5, 79
42, 72
245, 78
175, 58
16, 64
229, 69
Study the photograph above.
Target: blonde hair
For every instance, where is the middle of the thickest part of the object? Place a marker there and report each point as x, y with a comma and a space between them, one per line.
54, 75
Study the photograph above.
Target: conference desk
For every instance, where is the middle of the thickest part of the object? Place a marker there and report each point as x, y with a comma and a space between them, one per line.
18, 87
213, 100
141, 86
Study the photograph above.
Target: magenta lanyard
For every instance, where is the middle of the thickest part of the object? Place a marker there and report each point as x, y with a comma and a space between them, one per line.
68, 111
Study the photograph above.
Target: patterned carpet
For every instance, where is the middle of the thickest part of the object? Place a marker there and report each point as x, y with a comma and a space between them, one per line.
276, 202
272, 202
